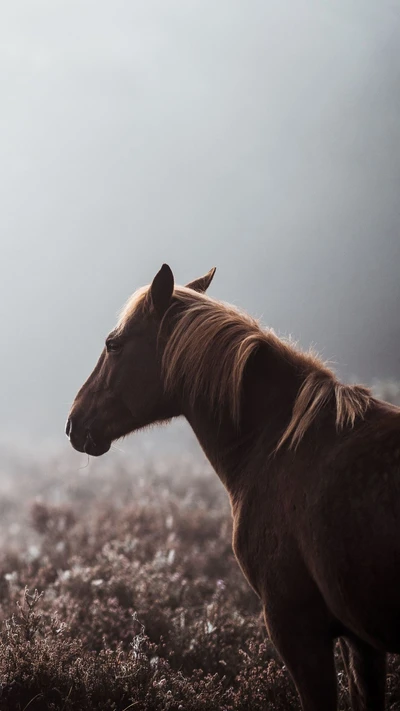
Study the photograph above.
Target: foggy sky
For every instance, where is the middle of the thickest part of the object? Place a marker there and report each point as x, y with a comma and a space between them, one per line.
259, 137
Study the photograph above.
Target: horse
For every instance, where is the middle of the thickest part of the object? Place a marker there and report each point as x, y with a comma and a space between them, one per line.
311, 466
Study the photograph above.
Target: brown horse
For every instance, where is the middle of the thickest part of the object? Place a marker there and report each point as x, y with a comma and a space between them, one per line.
312, 468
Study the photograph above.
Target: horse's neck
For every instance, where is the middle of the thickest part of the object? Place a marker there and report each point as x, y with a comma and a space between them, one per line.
217, 439
267, 401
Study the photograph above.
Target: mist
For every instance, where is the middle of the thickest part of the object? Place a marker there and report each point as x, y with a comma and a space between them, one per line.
260, 138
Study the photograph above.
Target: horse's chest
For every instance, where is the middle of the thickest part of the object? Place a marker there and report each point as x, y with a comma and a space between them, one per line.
259, 542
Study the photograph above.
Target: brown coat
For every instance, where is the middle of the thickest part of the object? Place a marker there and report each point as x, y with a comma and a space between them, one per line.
312, 468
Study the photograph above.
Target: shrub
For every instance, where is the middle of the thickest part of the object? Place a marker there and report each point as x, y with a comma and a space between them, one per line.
119, 590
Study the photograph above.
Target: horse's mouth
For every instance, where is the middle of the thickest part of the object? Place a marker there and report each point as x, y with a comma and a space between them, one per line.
96, 438
95, 447
88, 443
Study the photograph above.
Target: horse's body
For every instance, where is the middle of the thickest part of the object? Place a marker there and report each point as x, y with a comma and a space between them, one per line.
312, 468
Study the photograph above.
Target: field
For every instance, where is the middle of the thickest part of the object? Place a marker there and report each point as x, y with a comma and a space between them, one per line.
119, 590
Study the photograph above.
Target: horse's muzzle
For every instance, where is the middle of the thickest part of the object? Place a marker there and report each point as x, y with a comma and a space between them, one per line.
84, 440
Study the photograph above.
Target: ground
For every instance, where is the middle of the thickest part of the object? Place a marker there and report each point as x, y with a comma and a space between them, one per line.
119, 590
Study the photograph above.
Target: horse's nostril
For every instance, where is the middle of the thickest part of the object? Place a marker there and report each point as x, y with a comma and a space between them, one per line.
68, 427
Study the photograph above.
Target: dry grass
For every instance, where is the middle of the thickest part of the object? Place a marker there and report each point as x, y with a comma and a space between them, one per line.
140, 603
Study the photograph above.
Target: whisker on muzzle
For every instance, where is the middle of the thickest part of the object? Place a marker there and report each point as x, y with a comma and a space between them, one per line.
118, 449
86, 465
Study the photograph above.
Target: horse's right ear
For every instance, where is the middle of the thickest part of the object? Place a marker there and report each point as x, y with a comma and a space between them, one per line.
202, 283
161, 290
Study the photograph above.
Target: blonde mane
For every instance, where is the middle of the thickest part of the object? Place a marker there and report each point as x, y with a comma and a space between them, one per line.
134, 303
208, 349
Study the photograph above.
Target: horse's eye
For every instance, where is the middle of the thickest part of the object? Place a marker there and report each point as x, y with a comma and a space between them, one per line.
113, 346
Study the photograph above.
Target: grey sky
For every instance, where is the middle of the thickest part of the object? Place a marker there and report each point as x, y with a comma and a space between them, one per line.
260, 137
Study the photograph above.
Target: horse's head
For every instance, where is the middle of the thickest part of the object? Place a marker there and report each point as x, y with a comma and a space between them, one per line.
126, 390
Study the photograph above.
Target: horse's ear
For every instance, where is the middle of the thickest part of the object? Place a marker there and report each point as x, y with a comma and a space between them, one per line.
161, 290
202, 283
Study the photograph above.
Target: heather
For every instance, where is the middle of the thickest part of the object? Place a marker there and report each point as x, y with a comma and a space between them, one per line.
119, 589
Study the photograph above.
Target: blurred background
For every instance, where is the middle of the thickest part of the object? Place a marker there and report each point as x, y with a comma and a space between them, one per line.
260, 137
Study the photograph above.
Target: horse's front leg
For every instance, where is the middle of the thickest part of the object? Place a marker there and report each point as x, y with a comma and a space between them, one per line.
307, 651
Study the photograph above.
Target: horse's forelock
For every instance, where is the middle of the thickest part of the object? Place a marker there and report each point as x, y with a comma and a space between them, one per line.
134, 303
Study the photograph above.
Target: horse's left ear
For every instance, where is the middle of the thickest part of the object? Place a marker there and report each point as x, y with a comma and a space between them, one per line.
202, 283
161, 289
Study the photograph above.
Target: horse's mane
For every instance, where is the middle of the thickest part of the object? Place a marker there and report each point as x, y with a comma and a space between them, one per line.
208, 349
